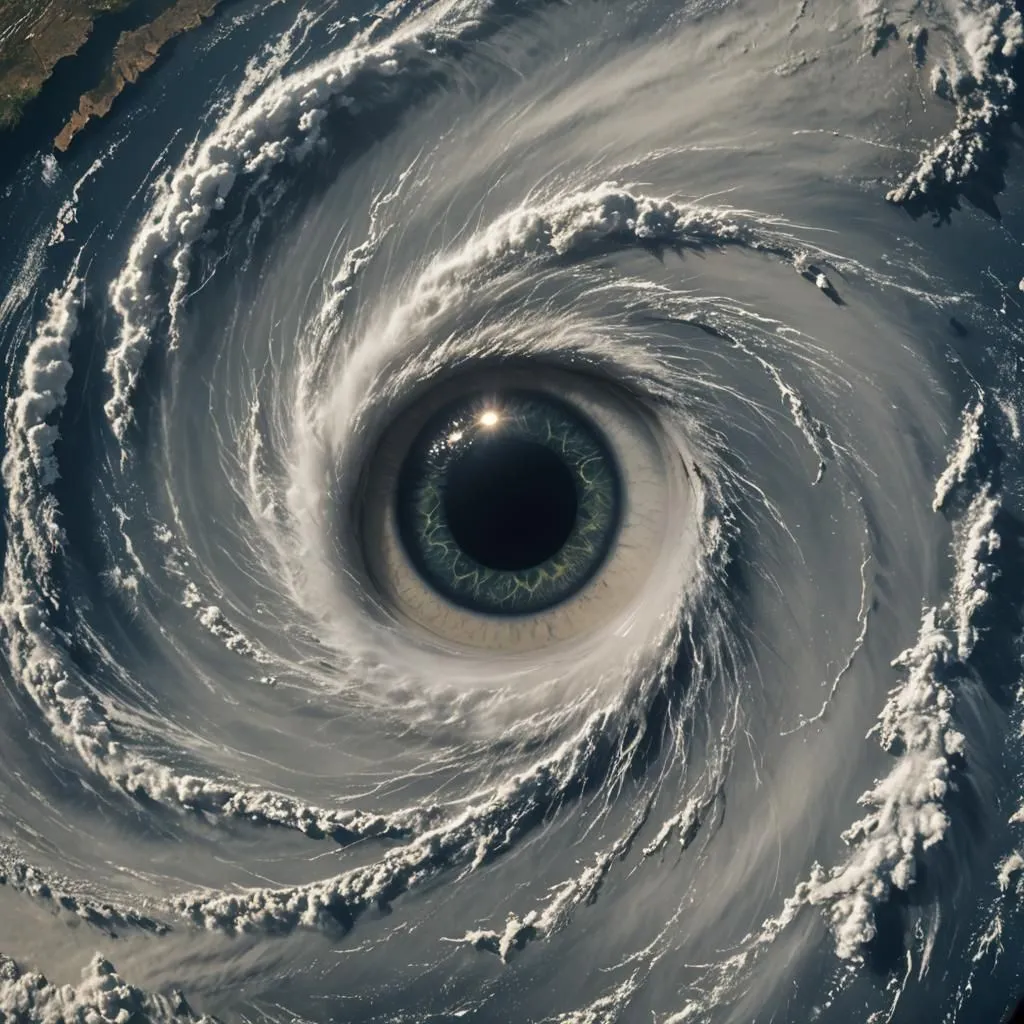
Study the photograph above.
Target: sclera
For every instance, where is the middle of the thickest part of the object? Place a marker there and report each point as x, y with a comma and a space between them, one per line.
651, 491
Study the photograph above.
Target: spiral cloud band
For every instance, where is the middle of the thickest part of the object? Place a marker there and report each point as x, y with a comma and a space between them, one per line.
751, 272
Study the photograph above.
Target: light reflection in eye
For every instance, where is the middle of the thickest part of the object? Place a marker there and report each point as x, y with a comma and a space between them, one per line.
513, 511
519, 514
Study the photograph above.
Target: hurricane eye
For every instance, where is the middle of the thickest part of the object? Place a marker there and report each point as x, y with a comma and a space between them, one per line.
508, 503
510, 511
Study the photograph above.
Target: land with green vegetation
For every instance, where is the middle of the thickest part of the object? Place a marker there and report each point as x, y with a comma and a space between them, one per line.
136, 52
36, 34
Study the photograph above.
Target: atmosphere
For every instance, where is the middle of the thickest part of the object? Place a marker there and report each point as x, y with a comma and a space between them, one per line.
512, 512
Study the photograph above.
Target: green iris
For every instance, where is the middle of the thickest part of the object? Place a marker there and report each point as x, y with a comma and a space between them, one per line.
508, 503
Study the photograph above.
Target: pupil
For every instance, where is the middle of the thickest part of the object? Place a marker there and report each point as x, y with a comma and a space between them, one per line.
510, 504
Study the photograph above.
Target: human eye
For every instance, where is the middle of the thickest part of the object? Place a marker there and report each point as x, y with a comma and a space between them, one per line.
523, 507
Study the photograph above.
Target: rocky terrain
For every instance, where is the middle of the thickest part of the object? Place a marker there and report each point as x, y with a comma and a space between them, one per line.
34, 37
135, 53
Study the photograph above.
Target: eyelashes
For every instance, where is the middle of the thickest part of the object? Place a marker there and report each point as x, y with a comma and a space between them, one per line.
511, 509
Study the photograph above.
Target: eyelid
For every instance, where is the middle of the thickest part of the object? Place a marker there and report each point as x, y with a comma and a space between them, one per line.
652, 491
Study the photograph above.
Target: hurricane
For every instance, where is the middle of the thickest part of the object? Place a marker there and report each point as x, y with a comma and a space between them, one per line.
512, 512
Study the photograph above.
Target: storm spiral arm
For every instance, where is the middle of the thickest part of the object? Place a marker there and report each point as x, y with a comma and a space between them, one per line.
511, 512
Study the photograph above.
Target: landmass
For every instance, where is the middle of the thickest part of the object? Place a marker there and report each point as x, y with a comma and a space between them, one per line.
33, 37
36, 34
135, 52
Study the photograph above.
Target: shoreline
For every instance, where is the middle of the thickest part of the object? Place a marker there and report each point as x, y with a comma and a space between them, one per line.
135, 53
44, 64
34, 42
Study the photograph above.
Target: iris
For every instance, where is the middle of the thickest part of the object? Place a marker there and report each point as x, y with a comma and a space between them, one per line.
506, 508
508, 503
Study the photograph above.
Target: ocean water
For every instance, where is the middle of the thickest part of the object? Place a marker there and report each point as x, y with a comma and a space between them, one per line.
770, 767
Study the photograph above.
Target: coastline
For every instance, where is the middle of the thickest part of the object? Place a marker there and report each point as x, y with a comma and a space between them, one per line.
33, 41
136, 51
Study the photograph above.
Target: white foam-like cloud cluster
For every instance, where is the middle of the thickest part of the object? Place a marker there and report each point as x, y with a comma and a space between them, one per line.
570, 224
961, 460
991, 36
685, 823
218, 625
550, 918
978, 541
102, 997
606, 1009
76, 718
1011, 872
282, 123
482, 830
907, 813
61, 895
31, 428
